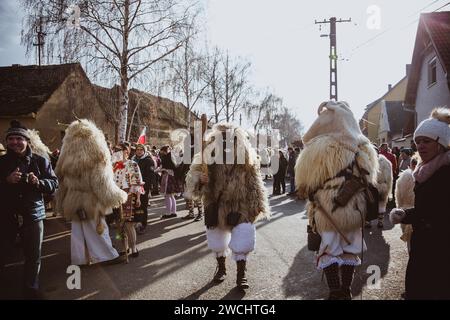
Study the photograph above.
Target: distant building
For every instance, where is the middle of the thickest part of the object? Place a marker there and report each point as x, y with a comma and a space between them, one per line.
48, 98
393, 121
429, 84
370, 121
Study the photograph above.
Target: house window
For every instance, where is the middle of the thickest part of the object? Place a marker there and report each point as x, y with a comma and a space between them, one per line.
432, 72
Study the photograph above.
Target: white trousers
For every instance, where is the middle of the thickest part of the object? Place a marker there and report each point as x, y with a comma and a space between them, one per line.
334, 249
87, 246
241, 240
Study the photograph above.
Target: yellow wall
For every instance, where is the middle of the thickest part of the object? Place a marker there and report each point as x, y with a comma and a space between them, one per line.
397, 93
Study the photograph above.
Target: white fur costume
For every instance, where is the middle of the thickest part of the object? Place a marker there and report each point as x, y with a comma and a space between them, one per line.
384, 182
332, 144
85, 174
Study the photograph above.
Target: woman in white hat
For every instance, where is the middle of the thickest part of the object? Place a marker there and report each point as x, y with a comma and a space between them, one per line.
428, 271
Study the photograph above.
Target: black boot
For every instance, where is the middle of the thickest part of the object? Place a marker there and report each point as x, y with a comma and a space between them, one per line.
332, 274
347, 273
221, 271
241, 280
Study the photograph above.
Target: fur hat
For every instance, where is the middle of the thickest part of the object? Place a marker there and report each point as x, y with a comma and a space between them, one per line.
17, 129
436, 127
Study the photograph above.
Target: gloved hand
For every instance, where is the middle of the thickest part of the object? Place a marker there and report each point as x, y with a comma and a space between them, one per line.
396, 215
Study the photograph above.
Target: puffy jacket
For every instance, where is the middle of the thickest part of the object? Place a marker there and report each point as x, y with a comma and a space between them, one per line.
22, 198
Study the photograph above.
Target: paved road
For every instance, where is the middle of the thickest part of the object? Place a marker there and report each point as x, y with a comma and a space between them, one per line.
174, 262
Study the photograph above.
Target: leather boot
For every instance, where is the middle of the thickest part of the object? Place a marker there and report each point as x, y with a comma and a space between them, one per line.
332, 275
241, 280
221, 270
347, 273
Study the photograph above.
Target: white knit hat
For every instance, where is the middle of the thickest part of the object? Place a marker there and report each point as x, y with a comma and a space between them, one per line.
436, 127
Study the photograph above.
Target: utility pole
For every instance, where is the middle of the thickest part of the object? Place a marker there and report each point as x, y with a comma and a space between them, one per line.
40, 40
333, 55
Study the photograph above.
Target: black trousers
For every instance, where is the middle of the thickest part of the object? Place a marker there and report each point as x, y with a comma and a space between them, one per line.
279, 183
144, 207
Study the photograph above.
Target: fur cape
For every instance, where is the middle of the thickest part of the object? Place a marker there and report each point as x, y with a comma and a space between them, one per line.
323, 157
240, 186
85, 173
384, 179
37, 146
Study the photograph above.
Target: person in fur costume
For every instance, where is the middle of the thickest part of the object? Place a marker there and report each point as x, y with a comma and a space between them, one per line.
233, 194
87, 192
384, 187
404, 196
427, 273
335, 150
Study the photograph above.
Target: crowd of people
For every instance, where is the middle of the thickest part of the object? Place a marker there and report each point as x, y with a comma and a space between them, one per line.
104, 191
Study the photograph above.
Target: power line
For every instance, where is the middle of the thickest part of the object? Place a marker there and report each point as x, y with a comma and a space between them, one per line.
333, 54
352, 52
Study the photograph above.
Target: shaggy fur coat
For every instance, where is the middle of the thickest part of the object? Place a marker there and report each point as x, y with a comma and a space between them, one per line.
240, 185
404, 190
326, 154
85, 173
37, 146
384, 180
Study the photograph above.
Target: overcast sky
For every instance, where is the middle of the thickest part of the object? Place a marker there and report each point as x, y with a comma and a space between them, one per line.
288, 55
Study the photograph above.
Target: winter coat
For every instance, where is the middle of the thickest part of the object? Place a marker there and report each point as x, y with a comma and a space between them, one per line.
291, 163
427, 274
147, 167
282, 167
22, 198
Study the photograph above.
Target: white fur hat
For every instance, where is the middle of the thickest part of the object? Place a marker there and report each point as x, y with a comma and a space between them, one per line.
436, 127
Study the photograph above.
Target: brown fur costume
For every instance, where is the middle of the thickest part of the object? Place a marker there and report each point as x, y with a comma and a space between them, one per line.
85, 173
241, 185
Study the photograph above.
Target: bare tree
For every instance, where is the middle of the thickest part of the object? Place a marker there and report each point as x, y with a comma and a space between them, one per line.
262, 111
213, 76
189, 80
228, 84
235, 85
289, 126
119, 38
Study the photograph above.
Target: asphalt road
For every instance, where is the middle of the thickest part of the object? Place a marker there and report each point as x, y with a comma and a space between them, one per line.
174, 262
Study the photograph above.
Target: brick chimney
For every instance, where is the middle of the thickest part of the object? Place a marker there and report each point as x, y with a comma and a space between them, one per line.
389, 87
408, 69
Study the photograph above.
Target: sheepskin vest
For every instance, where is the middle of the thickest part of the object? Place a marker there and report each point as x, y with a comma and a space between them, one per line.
240, 187
316, 178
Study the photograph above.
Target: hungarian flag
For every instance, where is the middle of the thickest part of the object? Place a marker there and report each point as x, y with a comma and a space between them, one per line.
142, 139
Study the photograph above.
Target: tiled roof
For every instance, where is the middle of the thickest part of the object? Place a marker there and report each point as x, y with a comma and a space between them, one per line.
434, 26
24, 89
